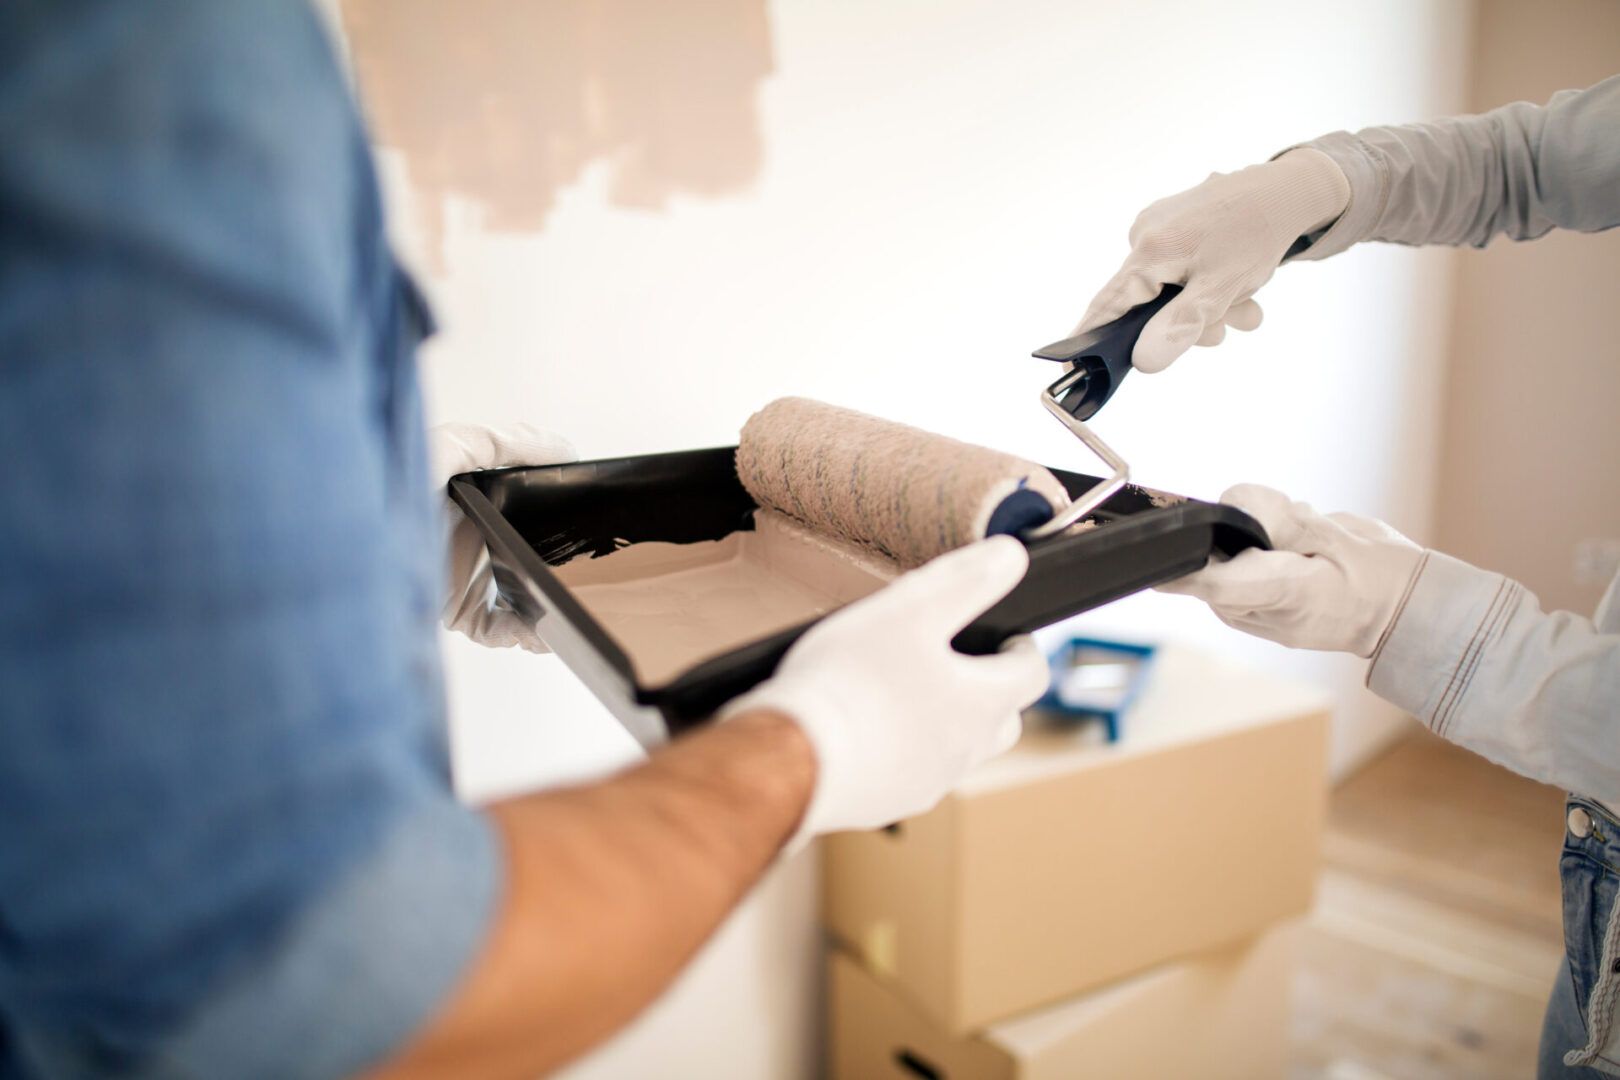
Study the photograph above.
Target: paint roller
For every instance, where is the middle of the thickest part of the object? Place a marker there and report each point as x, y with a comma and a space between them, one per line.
907, 493
911, 494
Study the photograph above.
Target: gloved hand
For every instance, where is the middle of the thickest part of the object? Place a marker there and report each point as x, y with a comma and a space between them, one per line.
1221, 240
1332, 582
471, 603
896, 716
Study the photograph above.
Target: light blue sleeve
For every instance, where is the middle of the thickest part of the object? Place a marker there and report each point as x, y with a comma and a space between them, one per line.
1518, 171
341, 988
1473, 656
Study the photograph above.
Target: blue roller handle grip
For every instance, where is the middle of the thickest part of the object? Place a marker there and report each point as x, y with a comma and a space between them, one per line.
1104, 354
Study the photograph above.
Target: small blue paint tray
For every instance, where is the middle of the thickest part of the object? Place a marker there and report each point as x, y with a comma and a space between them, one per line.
1096, 679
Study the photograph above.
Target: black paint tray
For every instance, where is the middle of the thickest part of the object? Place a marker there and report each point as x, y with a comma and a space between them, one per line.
542, 517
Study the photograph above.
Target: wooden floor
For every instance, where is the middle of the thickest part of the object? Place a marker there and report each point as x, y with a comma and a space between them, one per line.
1436, 933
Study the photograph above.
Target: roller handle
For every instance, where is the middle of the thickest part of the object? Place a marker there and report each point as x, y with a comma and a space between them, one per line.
1101, 358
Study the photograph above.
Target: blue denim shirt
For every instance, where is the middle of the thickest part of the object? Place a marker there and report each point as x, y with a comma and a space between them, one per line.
228, 842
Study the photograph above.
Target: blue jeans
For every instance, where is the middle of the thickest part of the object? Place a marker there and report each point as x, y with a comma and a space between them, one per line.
1590, 869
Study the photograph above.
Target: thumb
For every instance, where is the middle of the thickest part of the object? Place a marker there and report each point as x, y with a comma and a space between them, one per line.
1252, 580
1291, 525
1135, 284
1276, 512
957, 587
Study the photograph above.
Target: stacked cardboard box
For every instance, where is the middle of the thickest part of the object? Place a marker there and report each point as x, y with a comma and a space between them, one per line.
1076, 909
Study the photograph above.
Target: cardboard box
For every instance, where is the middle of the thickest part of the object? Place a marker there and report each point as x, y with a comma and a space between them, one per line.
1064, 864
1218, 1016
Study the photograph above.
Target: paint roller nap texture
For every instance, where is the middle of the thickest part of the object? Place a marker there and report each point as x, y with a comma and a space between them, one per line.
907, 493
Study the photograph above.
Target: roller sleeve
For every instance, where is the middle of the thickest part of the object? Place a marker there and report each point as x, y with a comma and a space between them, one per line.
904, 492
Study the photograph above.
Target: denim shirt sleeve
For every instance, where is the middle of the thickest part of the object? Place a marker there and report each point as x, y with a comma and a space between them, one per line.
1473, 656
228, 840
1517, 171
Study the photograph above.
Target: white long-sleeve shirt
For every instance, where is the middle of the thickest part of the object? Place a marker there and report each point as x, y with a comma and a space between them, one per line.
1471, 653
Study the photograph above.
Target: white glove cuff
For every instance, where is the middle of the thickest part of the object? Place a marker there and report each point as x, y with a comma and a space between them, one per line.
1308, 192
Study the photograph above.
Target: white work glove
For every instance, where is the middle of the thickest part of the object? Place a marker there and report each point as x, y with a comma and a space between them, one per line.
1220, 240
895, 715
1332, 582
472, 605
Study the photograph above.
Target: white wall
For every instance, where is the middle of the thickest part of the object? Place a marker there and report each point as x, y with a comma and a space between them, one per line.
1530, 467
926, 192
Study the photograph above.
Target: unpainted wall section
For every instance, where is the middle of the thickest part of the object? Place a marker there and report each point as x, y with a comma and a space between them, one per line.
1530, 458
